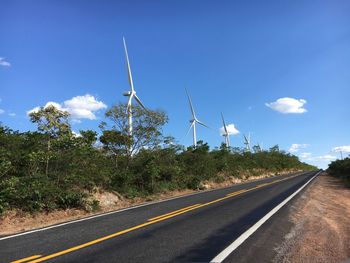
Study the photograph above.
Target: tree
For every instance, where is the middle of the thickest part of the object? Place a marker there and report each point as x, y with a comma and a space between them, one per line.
54, 123
147, 130
256, 148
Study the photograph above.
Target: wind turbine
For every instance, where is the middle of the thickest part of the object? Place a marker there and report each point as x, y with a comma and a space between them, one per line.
226, 134
247, 142
132, 93
193, 121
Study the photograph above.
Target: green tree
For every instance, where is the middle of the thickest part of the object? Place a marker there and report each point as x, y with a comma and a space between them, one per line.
147, 130
54, 123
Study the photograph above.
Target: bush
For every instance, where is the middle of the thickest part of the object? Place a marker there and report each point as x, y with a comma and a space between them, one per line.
341, 169
35, 178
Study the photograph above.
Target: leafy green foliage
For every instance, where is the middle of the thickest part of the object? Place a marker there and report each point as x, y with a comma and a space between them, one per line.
341, 169
54, 169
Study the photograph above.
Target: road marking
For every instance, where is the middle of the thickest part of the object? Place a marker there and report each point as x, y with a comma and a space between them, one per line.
235, 244
99, 240
138, 206
26, 259
237, 192
133, 207
161, 218
164, 217
173, 212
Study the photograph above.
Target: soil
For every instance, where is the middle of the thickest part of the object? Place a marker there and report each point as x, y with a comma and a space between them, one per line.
321, 231
16, 221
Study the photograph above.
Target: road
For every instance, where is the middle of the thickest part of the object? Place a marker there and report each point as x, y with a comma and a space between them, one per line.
192, 228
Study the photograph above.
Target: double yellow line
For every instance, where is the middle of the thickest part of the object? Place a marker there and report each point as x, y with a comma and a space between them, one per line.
151, 221
188, 208
26, 259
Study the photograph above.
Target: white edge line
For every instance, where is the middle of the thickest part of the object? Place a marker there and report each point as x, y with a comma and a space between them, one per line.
103, 214
235, 244
130, 208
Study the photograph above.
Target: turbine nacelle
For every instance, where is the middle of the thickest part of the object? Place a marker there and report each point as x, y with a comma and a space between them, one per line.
226, 133
247, 142
127, 93
194, 121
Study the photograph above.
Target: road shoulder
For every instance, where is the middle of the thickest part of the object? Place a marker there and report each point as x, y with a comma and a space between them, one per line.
314, 225
321, 227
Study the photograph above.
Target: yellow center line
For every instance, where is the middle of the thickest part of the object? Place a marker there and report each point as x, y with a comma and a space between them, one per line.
26, 259
237, 193
173, 212
150, 222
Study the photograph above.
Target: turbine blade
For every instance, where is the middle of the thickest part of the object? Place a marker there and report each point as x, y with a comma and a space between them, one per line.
128, 66
139, 102
191, 106
222, 117
201, 123
190, 128
223, 121
245, 139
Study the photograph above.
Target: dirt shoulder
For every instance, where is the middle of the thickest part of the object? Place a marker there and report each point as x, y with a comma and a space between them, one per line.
321, 231
17, 221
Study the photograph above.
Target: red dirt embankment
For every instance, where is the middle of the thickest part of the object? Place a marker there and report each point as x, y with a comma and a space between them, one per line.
321, 218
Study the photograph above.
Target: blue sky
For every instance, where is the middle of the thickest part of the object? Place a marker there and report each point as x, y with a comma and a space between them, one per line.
233, 56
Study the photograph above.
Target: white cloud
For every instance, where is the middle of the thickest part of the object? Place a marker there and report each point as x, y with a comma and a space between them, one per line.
326, 157
79, 107
345, 149
288, 105
321, 161
4, 63
231, 129
83, 107
50, 103
295, 147
12, 114
35, 109
305, 155
76, 134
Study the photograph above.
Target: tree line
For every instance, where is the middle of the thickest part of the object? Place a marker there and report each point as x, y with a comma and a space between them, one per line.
53, 168
341, 169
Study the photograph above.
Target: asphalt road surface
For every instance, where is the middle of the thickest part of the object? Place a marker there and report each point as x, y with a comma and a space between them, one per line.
192, 228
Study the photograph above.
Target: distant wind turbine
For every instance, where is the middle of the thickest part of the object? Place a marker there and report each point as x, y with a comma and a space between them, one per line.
193, 121
247, 142
132, 93
226, 134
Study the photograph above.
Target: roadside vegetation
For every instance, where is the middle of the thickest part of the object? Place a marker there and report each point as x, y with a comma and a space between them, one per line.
341, 169
53, 168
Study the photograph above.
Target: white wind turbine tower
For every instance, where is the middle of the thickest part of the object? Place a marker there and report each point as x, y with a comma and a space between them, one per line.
247, 142
132, 93
226, 134
193, 121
